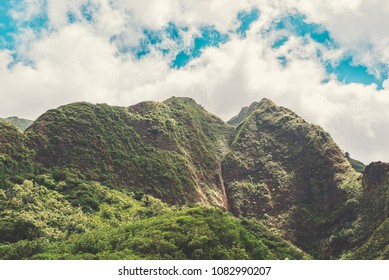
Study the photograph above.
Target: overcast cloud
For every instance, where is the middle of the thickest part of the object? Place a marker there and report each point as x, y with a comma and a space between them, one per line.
79, 61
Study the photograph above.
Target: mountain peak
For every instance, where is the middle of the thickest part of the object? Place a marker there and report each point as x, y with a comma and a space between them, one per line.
264, 104
181, 99
273, 166
243, 114
182, 102
288, 169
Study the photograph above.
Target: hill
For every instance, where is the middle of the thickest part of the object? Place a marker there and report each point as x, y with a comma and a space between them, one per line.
357, 165
15, 157
85, 220
290, 173
372, 229
171, 150
173, 172
19, 123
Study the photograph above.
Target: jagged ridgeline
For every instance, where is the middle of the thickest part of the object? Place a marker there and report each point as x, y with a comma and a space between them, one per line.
171, 171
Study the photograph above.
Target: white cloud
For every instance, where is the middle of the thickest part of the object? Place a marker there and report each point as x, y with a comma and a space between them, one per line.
156, 14
78, 63
358, 25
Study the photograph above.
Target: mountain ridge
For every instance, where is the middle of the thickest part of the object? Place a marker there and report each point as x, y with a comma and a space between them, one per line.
19, 123
266, 164
271, 149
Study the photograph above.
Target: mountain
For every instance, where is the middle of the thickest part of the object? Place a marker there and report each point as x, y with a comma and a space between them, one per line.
19, 123
243, 114
15, 157
171, 150
373, 226
357, 165
292, 174
86, 180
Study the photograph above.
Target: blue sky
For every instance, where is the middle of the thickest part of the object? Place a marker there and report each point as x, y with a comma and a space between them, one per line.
7, 26
345, 68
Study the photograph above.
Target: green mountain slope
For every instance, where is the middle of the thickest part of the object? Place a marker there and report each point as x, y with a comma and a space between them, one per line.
152, 180
371, 231
19, 123
171, 150
357, 165
243, 114
15, 157
291, 174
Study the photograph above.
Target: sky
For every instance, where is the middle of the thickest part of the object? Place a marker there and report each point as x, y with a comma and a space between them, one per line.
326, 60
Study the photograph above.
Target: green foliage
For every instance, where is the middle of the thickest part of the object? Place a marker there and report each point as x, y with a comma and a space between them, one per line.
15, 158
21, 124
376, 247
371, 231
357, 165
170, 150
243, 114
30, 211
91, 182
291, 175
248, 198
191, 233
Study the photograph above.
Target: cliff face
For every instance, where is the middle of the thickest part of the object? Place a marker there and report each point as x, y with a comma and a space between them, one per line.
375, 200
15, 157
373, 225
292, 175
171, 150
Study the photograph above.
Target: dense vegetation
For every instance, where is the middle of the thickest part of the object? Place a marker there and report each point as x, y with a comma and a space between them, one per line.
171, 181
357, 165
371, 231
376, 247
243, 114
84, 220
21, 124
15, 158
170, 150
267, 176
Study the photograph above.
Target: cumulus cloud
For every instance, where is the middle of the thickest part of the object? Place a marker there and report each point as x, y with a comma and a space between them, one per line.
358, 25
78, 61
